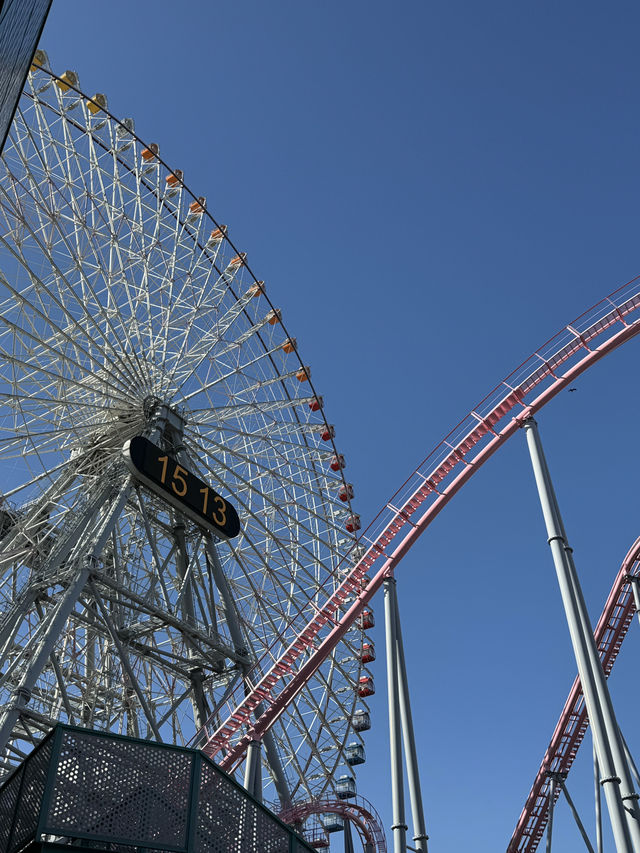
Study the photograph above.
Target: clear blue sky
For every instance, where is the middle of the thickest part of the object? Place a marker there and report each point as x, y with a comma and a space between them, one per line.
430, 190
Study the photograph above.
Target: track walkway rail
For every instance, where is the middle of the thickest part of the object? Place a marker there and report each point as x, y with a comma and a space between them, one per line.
276, 682
609, 633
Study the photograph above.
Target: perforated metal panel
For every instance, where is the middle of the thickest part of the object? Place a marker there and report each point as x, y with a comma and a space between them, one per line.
136, 793
8, 803
31, 794
228, 821
122, 795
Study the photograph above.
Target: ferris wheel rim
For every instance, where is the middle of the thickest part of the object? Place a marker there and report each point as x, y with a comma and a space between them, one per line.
217, 224
339, 476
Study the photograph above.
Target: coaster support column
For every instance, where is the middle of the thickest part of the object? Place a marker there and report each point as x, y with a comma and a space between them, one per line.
420, 836
399, 827
617, 781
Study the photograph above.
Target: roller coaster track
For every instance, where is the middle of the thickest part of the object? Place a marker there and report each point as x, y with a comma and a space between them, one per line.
273, 684
610, 631
359, 811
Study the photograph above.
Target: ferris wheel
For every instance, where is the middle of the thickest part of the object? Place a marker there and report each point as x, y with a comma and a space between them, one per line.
173, 501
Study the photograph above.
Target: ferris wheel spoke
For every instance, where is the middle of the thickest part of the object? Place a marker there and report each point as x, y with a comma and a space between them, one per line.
201, 446
277, 438
34, 375
45, 315
266, 531
237, 411
193, 355
77, 261
287, 605
270, 458
248, 390
134, 292
52, 350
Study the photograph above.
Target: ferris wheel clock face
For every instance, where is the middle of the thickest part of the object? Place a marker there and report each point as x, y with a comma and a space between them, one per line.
165, 476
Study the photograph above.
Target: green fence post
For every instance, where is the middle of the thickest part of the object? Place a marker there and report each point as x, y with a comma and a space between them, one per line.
48, 782
194, 790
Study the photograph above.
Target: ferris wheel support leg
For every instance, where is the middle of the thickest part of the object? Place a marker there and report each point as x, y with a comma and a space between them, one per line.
198, 701
63, 610
420, 836
617, 780
126, 664
233, 623
399, 827
58, 673
12, 619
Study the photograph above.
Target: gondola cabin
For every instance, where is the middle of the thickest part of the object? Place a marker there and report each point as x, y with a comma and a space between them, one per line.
337, 462
366, 620
366, 686
354, 754
345, 492
345, 787
368, 653
361, 720
332, 822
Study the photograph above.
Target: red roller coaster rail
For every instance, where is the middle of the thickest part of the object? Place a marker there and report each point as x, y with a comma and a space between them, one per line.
597, 332
359, 811
610, 631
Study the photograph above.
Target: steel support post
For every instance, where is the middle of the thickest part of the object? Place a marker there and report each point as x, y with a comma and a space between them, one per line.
617, 780
634, 580
552, 798
240, 646
126, 665
198, 701
597, 800
252, 772
632, 765
12, 619
62, 611
576, 816
420, 836
399, 827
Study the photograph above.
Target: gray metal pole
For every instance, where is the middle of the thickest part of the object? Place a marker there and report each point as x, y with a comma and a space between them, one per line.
126, 664
399, 827
252, 774
634, 580
630, 761
576, 816
240, 646
598, 800
59, 616
411, 758
594, 686
552, 799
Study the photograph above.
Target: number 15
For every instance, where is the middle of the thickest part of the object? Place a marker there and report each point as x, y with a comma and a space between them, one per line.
178, 476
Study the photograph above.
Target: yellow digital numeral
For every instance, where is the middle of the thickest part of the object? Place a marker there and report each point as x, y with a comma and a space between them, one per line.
205, 492
220, 517
164, 460
177, 475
